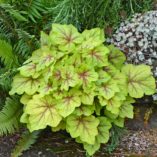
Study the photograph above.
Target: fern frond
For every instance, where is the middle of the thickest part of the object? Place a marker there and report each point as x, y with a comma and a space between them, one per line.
7, 24
6, 78
26, 44
25, 143
16, 14
6, 54
32, 9
9, 116
3, 96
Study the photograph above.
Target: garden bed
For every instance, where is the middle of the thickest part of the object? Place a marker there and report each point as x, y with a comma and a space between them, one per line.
134, 143
56, 61
139, 140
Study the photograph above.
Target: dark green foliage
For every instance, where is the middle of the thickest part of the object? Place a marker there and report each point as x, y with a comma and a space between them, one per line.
9, 116
39, 14
14, 29
116, 135
5, 80
139, 5
92, 13
33, 9
25, 45
6, 24
8, 65
16, 44
7, 56
26, 141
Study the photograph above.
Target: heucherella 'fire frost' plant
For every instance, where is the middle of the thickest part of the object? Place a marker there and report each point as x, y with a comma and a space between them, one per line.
75, 83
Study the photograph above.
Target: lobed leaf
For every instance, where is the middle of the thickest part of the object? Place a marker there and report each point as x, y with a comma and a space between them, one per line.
42, 111
139, 80
24, 84
84, 127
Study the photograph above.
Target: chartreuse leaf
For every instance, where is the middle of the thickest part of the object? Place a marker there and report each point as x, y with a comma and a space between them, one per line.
24, 84
102, 137
75, 60
121, 80
114, 118
25, 98
84, 110
58, 94
29, 70
119, 122
87, 97
116, 57
126, 109
68, 103
60, 126
111, 70
92, 38
86, 75
66, 36
36, 55
42, 57
57, 75
103, 77
47, 73
139, 80
98, 108
46, 59
69, 77
45, 39
110, 115
103, 130
97, 56
46, 88
25, 118
108, 89
42, 112
92, 148
84, 127
112, 104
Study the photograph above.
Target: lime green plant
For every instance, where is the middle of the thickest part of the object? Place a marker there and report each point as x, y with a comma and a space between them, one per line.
76, 83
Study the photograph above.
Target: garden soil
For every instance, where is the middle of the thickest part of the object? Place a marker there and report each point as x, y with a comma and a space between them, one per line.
139, 141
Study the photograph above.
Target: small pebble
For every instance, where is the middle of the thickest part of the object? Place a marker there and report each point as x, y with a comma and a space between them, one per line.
66, 141
39, 153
